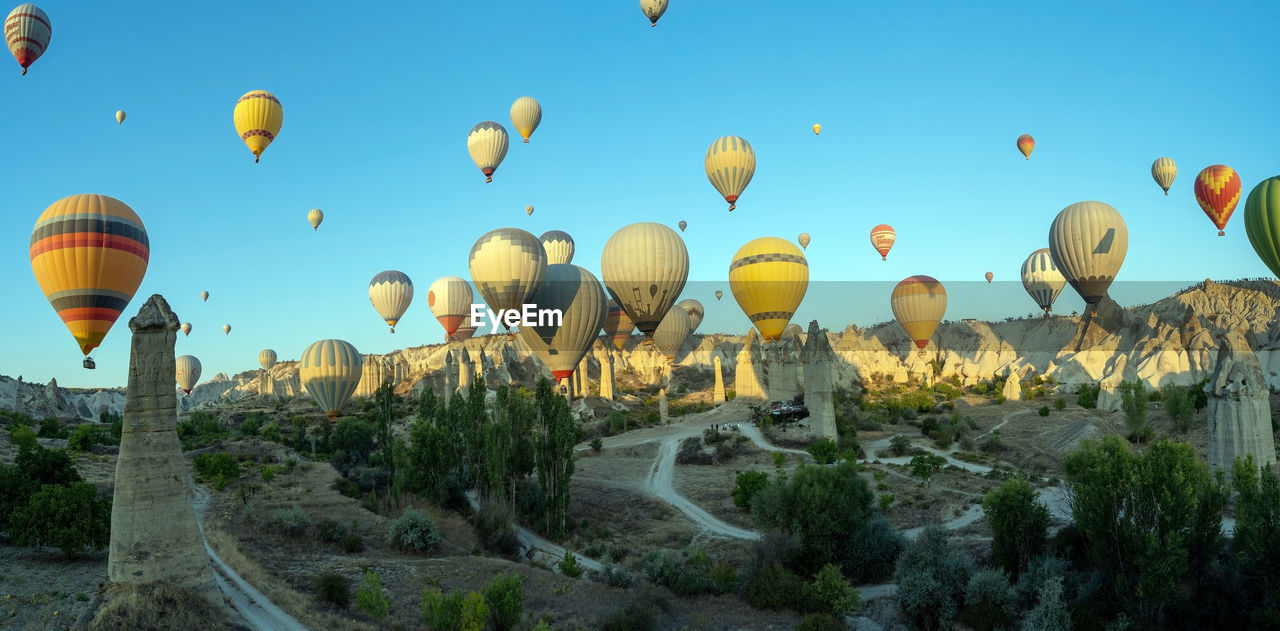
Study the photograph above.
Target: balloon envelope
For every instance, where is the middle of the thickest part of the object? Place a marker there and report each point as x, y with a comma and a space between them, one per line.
919, 303
526, 114
653, 9
1163, 171
204, 296
683, 224
989, 276
258, 117
559, 246
695, 311
730, 165
450, 301
27, 30
577, 295
1218, 191
507, 266
314, 217
1041, 279
1088, 242
186, 328
672, 332
266, 358
645, 266
618, 325
768, 277
817, 129
226, 328
330, 371
119, 116
1262, 221
882, 239
487, 143
1026, 144
390, 292
187, 369
803, 240
719, 294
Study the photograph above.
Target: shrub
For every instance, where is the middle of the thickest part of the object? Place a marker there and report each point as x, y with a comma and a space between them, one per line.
252, 424
371, 598
615, 576
1050, 613
988, 600
1180, 406
83, 438
293, 522
330, 530
1134, 403
597, 444
414, 531
820, 622
1039, 571
900, 445
885, 501
268, 473
271, 432
834, 592
69, 517
1087, 395
1044, 410
636, 616
1000, 398
352, 543
746, 485
1019, 524
455, 612
776, 587
23, 437
569, 565
779, 459
332, 588
931, 580
505, 597
824, 451
493, 525
50, 428
1059, 404
213, 465
347, 488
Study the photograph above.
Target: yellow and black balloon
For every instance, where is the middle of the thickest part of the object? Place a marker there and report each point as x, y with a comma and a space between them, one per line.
769, 277
258, 117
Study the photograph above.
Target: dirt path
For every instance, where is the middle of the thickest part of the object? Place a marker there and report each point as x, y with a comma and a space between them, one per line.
659, 484
256, 609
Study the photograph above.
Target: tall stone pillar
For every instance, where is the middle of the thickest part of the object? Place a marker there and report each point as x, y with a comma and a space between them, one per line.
1239, 407
748, 380
817, 357
466, 372
717, 394
154, 534
17, 396
450, 377
782, 371
606, 375
583, 377
662, 406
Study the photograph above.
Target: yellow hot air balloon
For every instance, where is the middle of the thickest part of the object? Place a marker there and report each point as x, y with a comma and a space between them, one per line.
559, 246
390, 292
803, 240
672, 332
226, 329
330, 371
507, 266
618, 325
528, 210
526, 114
450, 301
27, 30
1088, 242
187, 371
89, 254
1163, 170
314, 217
119, 116
487, 143
186, 328
919, 303
258, 117
695, 311
645, 266
768, 277
266, 358
730, 165
577, 295
204, 296
817, 129
653, 9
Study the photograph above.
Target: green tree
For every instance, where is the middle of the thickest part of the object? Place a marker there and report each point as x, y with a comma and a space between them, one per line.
69, 517
504, 596
1050, 613
824, 451
834, 591
746, 485
432, 453
1180, 406
1256, 542
923, 466
455, 612
1019, 524
385, 399
932, 580
299, 437
555, 435
371, 598
1135, 404
354, 438
1147, 519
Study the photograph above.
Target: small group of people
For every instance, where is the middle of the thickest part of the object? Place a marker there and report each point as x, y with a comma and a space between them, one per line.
727, 427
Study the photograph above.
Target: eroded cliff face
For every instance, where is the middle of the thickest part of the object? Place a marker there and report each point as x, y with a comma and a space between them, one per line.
1239, 407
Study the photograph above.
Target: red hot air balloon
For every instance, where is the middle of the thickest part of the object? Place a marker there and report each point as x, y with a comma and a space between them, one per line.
882, 238
1218, 191
1025, 144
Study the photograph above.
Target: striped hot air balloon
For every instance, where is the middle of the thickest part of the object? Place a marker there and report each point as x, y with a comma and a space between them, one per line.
465, 330
89, 254
450, 299
1026, 144
1218, 191
618, 325
730, 164
672, 332
695, 311
390, 292
683, 224
559, 247
487, 143
653, 9
226, 329
1262, 221
769, 277
314, 217
27, 31
804, 240
1041, 279
507, 266
526, 114
266, 358
989, 276
1088, 242
187, 371
919, 303
577, 295
1163, 171
186, 328
330, 371
258, 117
882, 239
645, 266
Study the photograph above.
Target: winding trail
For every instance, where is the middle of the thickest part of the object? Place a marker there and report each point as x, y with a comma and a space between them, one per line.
256, 609
659, 483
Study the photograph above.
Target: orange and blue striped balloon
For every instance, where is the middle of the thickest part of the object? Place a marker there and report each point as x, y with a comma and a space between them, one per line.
89, 254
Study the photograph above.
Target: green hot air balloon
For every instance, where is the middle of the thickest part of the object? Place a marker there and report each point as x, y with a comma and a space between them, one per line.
1262, 221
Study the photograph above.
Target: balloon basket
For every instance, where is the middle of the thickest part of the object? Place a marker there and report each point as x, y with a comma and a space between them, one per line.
88, 363
1222, 233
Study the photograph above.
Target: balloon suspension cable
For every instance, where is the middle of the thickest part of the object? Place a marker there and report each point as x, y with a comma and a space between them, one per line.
884, 258
1166, 192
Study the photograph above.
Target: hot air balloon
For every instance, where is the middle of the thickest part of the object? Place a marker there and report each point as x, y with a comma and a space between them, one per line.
1218, 191
465, 330
645, 266
204, 296
1262, 221
683, 224
730, 164
266, 358
390, 292
882, 238
695, 311
186, 328
803, 240
989, 276
314, 217
559, 247
330, 371
487, 144
258, 117
918, 303
719, 294
1163, 170
618, 325
817, 129
653, 9
119, 116
768, 277
450, 301
526, 113
672, 332
1088, 242
528, 210
1026, 144
27, 31
507, 266
89, 254
187, 371
226, 329
577, 295
1041, 279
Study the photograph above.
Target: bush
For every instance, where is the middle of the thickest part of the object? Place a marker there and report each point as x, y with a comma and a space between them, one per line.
352, 543
824, 451
69, 517
1087, 395
1134, 403
1039, 571
988, 600
931, 580
834, 592
1019, 524
414, 531
332, 588
213, 465
746, 485
1050, 613
1059, 404
569, 565
505, 597
1044, 410
1180, 406
615, 576
83, 438
455, 612
493, 525
271, 432
635, 616
900, 445
23, 437
820, 622
776, 587
51, 428
597, 444
885, 501
268, 473
293, 522
371, 598
251, 424
330, 530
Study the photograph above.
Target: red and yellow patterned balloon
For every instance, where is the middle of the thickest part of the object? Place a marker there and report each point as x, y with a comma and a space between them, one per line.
1218, 191
1025, 144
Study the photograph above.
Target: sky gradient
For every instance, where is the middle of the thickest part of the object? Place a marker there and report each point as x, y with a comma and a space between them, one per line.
920, 104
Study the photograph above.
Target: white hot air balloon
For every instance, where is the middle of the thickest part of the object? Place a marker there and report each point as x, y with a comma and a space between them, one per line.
330, 370
672, 332
450, 301
695, 311
1088, 242
390, 292
653, 9
266, 358
187, 371
314, 217
1041, 279
559, 246
526, 115
577, 295
487, 143
645, 266
507, 266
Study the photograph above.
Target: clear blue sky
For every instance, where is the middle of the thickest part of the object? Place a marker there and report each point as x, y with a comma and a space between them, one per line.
920, 104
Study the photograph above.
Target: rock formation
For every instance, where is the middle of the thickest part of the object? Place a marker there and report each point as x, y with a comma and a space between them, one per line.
717, 392
450, 377
748, 378
662, 406
783, 384
154, 535
17, 395
817, 358
606, 374
466, 372
1013, 386
584, 376
1239, 407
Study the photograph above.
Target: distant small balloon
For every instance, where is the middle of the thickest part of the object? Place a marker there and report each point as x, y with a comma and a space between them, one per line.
803, 240
817, 129
683, 224
314, 217
528, 210
989, 276
119, 116
186, 328
204, 295
719, 294
226, 328
1026, 144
